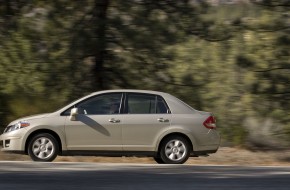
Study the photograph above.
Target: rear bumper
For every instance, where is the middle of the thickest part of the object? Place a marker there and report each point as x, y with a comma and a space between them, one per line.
205, 150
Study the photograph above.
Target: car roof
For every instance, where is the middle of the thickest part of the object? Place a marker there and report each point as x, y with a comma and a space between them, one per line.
131, 90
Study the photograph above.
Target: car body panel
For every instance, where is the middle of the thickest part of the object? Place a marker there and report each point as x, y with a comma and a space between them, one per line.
192, 123
140, 131
49, 122
93, 132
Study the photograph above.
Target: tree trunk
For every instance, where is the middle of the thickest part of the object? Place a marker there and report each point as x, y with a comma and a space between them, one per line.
100, 18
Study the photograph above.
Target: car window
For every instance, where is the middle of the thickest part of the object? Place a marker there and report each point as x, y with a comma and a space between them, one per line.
100, 105
141, 104
145, 104
161, 106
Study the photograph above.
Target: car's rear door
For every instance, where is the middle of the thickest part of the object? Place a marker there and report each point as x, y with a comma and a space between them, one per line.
145, 117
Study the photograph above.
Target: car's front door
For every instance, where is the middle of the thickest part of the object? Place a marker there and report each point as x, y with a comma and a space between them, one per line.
146, 117
97, 126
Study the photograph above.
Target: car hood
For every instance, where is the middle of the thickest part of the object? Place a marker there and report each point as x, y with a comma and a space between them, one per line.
32, 117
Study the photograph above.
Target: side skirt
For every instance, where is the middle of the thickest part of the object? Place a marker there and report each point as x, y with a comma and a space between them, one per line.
109, 153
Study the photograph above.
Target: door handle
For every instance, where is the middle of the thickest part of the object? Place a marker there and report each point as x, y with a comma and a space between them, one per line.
163, 120
113, 120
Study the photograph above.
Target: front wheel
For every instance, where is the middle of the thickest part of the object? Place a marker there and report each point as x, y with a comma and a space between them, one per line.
43, 148
175, 150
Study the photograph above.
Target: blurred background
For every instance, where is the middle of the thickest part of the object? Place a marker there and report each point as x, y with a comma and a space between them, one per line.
229, 57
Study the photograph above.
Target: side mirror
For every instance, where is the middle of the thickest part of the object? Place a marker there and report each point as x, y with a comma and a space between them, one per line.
73, 113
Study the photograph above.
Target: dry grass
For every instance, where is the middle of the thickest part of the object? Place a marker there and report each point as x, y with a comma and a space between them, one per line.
225, 156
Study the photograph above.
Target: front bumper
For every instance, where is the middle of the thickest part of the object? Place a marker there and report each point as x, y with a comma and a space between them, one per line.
12, 141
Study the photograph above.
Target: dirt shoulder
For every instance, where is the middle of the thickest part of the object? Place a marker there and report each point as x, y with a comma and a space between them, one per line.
224, 156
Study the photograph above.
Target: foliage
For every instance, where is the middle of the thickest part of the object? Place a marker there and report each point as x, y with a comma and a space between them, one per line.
231, 59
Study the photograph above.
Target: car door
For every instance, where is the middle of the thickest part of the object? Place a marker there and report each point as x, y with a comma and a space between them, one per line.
97, 125
146, 117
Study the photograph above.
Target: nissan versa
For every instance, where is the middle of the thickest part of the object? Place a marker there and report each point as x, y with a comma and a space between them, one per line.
116, 123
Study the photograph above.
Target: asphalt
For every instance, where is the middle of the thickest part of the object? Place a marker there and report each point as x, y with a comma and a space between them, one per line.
80, 175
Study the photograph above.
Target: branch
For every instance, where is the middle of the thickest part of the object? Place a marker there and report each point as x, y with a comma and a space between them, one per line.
261, 3
280, 93
207, 38
180, 84
86, 56
266, 30
273, 69
218, 40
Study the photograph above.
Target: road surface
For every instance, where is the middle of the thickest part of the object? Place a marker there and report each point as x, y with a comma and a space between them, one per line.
81, 176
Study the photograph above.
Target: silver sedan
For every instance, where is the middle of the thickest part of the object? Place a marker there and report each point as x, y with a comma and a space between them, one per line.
116, 123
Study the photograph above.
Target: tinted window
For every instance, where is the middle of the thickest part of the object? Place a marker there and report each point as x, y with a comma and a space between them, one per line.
101, 104
145, 104
161, 106
141, 104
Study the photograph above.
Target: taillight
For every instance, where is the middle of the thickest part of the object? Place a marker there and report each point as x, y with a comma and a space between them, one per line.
210, 122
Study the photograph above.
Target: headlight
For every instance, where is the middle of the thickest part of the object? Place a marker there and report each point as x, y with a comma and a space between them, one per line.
19, 125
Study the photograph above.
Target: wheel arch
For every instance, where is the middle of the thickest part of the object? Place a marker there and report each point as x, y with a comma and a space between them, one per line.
190, 141
39, 131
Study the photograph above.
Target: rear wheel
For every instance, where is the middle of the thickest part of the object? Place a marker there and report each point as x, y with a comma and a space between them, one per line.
158, 160
175, 150
43, 148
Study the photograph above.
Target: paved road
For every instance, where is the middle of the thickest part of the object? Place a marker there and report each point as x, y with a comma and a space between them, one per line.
44, 176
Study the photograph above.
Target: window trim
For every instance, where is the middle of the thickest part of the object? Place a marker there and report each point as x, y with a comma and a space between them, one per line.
125, 105
165, 103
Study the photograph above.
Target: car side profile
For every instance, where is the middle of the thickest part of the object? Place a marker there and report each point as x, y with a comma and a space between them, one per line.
116, 123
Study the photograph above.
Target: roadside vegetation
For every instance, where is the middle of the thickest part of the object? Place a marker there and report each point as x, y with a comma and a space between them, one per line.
230, 59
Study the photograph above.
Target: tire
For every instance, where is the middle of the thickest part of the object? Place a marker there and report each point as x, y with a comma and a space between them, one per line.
43, 147
174, 150
158, 160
